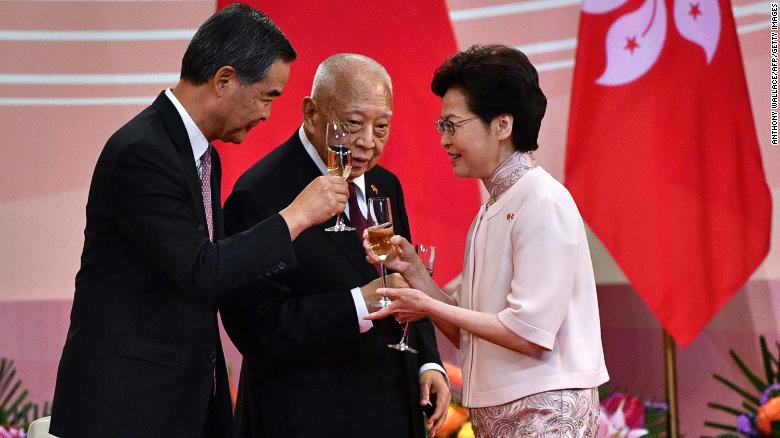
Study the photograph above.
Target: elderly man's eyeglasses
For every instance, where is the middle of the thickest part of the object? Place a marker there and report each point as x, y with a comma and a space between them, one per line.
445, 126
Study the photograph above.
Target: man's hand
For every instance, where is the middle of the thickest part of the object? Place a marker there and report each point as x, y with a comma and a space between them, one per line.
322, 199
370, 295
433, 382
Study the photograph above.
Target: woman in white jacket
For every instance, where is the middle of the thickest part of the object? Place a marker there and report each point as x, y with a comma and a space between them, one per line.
526, 317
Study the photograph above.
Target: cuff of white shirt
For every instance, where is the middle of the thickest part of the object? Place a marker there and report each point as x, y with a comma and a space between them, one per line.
435, 366
361, 309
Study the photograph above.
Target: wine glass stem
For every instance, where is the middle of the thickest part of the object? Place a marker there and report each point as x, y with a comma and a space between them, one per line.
382, 268
338, 218
405, 336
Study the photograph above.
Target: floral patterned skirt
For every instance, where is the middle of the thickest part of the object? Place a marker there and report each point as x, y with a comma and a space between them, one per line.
563, 413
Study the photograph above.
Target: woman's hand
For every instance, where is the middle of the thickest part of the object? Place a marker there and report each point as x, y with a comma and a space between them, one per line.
398, 260
402, 259
408, 305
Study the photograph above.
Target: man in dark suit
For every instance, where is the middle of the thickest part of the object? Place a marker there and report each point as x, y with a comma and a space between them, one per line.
312, 367
143, 356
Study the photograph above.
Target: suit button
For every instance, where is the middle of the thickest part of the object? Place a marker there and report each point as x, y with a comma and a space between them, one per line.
213, 358
281, 265
275, 270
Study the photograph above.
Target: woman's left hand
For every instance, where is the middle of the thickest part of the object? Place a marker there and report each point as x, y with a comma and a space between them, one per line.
407, 305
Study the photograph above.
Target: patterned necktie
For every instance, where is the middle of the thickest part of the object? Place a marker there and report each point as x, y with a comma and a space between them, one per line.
356, 217
205, 188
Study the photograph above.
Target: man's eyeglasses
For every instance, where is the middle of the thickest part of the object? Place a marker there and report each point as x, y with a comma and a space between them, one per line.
445, 126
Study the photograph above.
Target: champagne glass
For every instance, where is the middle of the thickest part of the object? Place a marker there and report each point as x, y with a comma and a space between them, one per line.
427, 254
380, 230
339, 161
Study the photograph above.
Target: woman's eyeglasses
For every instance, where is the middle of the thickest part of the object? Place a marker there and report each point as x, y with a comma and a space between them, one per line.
445, 126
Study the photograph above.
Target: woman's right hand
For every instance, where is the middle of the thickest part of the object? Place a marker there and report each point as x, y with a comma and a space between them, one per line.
408, 305
402, 259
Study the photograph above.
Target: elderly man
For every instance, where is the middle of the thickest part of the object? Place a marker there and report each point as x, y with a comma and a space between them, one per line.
143, 356
312, 367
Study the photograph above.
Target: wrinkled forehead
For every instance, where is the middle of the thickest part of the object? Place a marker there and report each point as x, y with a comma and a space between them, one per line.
357, 92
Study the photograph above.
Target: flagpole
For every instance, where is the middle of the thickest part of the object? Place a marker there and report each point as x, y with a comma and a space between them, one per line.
670, 372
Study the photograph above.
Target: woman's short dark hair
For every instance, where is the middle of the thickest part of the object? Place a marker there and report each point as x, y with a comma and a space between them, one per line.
497, 80
241, 37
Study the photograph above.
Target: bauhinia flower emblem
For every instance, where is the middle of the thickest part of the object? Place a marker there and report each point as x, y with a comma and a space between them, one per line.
636, 39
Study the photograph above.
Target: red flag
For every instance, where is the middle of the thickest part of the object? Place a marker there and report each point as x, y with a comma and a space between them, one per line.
411, 40
662, 154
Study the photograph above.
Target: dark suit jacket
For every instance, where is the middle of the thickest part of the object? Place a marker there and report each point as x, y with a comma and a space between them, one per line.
307, 370
142, 356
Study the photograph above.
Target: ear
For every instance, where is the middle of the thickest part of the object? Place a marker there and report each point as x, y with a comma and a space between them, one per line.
309, 108
224, 79
502, 125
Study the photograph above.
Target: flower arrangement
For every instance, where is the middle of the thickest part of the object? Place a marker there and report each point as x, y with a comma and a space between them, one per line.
627, 416
15, 412
759, 412
12, 433
457, 424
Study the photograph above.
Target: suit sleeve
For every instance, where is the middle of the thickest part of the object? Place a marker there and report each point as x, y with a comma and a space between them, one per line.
428, 351
157, 212
264, 318
545, 251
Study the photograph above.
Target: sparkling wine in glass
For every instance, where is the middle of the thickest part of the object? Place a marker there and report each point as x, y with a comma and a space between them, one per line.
339, 161
380, 230
427, 254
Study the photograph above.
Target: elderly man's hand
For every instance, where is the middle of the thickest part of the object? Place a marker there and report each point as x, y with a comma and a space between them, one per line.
433, 383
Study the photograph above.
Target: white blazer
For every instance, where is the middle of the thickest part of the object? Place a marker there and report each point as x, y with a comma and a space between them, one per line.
527, 260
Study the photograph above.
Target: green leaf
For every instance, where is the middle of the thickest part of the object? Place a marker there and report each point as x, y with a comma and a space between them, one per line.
748, 397
14, 408
22, 415
655, 422
725, 408
721, 426
766, 356
19, 400
9, 377
4, 404
776, 360
759, 384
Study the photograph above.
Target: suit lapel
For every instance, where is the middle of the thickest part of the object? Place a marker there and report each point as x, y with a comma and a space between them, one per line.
181, 140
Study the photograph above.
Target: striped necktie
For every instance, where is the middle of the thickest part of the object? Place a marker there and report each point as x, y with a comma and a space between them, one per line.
205, 188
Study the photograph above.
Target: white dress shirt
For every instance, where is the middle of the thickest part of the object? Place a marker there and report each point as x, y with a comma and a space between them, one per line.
197, 140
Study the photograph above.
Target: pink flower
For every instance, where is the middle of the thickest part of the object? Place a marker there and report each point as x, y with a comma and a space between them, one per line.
633, 408
614, 426
12, 433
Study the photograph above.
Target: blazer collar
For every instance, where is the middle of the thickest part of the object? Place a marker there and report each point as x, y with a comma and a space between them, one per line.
511, 193
180, 139
173, 122
296, 157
